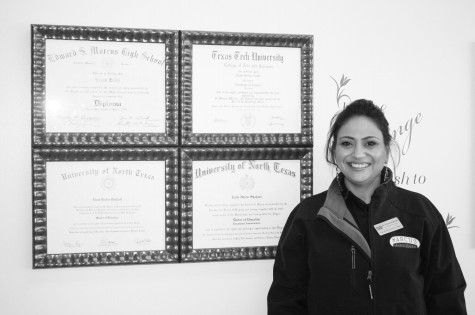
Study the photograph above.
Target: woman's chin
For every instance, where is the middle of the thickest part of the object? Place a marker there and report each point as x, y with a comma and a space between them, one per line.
361, 180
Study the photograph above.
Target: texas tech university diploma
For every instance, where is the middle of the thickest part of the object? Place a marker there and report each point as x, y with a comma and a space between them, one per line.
246, 89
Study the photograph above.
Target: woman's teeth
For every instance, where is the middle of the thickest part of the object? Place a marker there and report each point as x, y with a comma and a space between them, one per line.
359, 165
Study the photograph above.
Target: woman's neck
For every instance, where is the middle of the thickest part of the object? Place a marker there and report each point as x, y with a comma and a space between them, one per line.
364, 191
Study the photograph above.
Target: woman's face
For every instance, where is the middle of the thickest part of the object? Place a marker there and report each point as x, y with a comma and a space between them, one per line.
360, 152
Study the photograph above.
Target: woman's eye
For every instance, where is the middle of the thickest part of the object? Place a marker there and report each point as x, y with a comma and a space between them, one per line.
345, 143
371, 143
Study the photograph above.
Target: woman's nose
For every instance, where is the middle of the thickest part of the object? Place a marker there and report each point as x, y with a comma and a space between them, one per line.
359, 151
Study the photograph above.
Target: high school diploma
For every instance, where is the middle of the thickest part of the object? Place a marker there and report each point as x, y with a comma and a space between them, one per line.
104, 86
246, 89
242, 203
105, 206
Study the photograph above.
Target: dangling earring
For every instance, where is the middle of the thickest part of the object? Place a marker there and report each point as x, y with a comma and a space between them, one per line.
386, 173
338, 178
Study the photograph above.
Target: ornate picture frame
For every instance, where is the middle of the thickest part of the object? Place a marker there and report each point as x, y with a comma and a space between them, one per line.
245, 89
98, 86
105, 207
230, 210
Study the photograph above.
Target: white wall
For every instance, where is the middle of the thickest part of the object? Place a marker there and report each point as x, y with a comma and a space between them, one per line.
416, 57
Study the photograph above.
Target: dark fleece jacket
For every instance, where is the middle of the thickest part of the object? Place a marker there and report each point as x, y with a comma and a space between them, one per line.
324, 265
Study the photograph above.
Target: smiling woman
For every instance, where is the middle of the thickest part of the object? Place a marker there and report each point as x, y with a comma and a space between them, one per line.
365, 246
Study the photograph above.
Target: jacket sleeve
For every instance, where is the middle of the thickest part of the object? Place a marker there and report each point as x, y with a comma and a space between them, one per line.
288, 292
444, 281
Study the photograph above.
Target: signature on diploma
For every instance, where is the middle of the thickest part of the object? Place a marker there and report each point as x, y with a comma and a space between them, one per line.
72, 244
220, 120
107, 242
277, 121
142, 241
145, 121
80, 121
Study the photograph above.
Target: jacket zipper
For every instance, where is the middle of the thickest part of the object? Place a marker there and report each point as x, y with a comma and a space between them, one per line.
370, 274
353, 266
353, 251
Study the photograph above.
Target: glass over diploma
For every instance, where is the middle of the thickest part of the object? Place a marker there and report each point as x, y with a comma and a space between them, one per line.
246, 89
102, 206
104, 87
242, 203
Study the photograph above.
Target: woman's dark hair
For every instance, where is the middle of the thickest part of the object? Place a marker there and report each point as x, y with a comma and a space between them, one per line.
360, 107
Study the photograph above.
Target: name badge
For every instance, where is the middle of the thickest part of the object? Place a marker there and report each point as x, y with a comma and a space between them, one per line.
388, 226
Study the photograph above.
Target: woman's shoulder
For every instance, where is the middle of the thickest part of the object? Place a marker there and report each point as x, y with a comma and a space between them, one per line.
408, 197
415, 203
309, 207
318, 199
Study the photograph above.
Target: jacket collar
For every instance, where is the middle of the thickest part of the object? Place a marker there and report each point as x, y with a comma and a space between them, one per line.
379, 191
335, 212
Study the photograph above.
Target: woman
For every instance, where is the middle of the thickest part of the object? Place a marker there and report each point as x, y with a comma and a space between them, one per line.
365, 246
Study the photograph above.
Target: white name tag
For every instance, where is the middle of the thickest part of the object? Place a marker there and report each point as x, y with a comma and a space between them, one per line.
388, 226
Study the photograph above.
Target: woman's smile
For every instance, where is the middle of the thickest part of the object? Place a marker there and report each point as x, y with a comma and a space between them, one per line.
359, 166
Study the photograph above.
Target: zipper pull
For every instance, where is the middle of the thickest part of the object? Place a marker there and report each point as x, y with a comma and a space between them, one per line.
370, 274
353, 251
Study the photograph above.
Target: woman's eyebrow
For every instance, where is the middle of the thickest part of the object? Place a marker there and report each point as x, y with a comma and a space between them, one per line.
352, 138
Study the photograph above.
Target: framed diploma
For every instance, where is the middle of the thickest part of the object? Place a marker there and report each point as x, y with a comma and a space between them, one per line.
105, 207
104, 86
242, 89
235, 202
